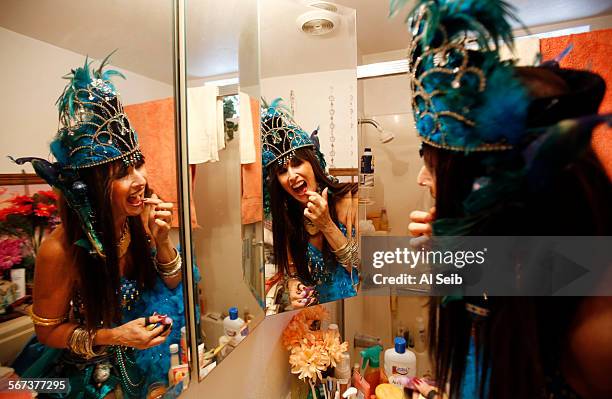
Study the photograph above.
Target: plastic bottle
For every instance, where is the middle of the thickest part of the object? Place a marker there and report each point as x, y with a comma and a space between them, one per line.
384, 219
174, 361
183, 344
333, 329
367, 161
399, 360
343, 372
232, 325
371, 366
362, 386
421, 337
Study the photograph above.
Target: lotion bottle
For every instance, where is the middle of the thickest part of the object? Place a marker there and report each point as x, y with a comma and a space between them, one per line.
232, 325
399, 360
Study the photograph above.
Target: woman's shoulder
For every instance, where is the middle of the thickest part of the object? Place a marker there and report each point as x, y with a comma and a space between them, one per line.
54, 249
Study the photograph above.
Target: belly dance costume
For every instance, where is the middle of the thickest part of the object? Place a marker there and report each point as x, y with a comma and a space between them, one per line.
332, 280
119, 368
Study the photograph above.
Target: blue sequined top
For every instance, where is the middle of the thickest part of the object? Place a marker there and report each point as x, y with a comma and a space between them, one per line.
332, 280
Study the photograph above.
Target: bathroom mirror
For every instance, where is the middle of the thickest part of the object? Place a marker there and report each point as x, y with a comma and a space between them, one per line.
390, 192
223, 137
309, 145
43, 41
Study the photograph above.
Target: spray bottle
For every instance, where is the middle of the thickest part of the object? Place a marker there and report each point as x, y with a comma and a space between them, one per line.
371, 365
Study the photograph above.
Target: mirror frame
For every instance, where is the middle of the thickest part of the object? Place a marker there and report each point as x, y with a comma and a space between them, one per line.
183, 181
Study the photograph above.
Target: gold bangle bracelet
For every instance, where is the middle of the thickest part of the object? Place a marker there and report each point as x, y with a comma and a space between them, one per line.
81, 343
45, 321
170, 264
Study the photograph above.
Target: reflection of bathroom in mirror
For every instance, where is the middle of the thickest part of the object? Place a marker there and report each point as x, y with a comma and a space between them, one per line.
389, 146
112, 188
223, 142
309, 145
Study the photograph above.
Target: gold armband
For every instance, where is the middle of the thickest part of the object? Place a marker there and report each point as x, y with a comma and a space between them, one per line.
44, 321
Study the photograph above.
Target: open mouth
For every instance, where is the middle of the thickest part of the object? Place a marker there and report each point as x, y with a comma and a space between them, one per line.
300, 188
136, 199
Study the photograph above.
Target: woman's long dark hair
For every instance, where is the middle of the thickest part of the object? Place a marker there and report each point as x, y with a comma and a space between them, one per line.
99, 279
289, 234
521, 342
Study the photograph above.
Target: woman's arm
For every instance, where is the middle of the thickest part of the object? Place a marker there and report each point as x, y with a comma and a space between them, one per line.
166, 253
317, 211
158, 220
54, 280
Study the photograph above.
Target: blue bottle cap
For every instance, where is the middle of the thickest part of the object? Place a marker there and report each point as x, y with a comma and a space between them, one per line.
400, 344
233, 314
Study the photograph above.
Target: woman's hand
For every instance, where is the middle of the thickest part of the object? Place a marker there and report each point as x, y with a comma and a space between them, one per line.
420, 227
423, 387
420, 222
135, 334
300, 295
317, 210
159, 218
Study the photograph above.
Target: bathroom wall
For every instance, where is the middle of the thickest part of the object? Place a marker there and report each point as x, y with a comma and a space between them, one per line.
218, 242
311, 93
37, 68
397, 163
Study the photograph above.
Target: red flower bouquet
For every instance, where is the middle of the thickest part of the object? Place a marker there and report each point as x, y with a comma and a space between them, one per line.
24, 220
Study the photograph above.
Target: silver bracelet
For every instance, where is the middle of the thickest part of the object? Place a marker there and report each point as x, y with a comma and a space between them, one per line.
170, 269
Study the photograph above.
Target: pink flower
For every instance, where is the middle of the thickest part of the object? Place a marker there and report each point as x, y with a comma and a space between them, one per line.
10, 252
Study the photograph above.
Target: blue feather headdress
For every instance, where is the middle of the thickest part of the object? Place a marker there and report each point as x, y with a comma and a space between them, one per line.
281, 137
464, 98
94, 130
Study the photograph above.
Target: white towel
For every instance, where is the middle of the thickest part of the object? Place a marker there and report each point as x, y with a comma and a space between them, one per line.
246, 131
205, 129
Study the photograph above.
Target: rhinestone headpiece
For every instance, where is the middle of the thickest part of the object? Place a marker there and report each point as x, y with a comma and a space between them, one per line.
280, 134
94, 127
464, 98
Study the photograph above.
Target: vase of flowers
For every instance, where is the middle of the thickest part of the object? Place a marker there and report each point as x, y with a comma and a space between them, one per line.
24, 221
312, 350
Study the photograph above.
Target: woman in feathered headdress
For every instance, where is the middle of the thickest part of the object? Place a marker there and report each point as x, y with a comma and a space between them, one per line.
312, 214
507, 152
102, 274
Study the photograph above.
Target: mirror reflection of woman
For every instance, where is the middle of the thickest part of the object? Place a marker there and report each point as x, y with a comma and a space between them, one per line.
313, 215
507, 152
106, 277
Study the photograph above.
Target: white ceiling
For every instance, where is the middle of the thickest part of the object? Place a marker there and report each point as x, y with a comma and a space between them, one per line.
377, 33
141, 30
286, 50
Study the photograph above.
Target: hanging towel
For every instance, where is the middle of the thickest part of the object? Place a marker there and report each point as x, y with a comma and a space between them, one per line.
205, 129
591, 51
252, 198
154, 123
248, 154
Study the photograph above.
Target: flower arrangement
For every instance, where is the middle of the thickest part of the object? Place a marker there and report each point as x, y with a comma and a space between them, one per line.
23, 222
312, 350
